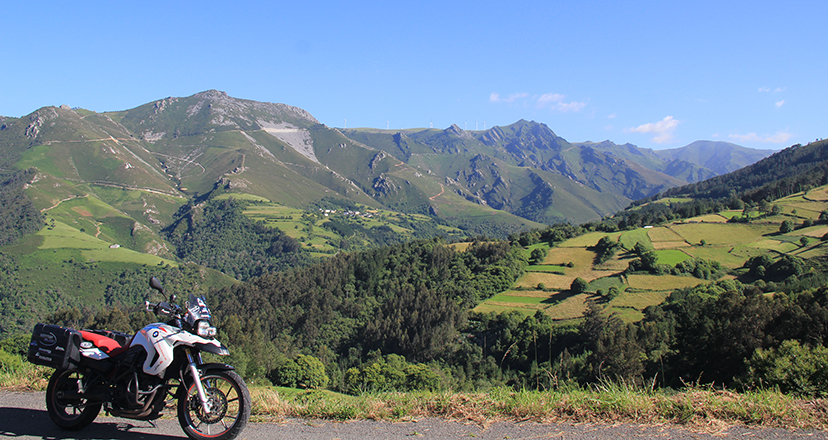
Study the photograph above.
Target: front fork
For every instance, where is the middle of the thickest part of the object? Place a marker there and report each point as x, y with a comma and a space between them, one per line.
192, 365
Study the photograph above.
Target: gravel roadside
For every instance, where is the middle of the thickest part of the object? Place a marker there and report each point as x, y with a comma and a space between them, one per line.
23, 416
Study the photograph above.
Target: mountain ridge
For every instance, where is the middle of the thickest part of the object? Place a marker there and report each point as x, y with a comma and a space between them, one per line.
522, 174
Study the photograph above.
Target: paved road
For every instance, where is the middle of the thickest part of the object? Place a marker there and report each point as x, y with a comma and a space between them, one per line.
23, 416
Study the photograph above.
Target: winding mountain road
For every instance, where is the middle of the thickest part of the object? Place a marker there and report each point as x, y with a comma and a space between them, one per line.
23, 416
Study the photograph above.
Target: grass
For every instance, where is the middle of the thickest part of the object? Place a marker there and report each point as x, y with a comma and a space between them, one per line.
663, 234
65, 237
630, 238
696, 408
308, 226
662, 282
710, 218
547, 268
730, 257
722, 233
639, 300
731, 244
588, 240
495, 308
522, 297
671, 256
606, 282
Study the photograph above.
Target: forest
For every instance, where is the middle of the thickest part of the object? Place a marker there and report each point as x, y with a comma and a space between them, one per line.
399, 317
18, 217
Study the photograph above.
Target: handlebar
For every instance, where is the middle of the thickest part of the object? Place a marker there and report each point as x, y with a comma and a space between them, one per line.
162, 308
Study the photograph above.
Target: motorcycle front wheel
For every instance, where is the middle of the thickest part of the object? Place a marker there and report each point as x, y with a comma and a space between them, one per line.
230, 407
71, 413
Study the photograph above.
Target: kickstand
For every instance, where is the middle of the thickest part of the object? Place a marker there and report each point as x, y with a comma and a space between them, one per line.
152, 422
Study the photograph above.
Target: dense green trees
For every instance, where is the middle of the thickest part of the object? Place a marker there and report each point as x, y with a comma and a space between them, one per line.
18, 216
219, 236
397, 318
410, 299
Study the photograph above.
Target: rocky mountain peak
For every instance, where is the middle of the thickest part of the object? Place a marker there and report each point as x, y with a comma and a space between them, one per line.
457, 131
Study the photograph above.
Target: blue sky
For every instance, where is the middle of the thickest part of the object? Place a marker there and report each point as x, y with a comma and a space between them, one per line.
658, 74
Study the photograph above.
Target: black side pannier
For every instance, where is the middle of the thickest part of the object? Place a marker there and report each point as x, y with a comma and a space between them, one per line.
54, 346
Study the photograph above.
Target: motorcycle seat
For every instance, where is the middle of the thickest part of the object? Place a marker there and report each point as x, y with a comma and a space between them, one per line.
107, 345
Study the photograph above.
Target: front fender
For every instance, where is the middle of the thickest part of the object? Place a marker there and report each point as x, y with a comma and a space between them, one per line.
215, 366
219, 349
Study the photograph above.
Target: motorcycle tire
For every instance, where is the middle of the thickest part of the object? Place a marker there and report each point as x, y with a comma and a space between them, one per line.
69, 413
230, 401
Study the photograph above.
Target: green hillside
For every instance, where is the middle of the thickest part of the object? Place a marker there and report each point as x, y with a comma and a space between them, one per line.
712, 237
382, 254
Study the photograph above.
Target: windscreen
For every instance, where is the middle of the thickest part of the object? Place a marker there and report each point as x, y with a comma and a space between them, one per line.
197, 310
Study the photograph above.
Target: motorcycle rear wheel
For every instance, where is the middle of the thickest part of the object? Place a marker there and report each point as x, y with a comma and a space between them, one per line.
69, 413
230, 400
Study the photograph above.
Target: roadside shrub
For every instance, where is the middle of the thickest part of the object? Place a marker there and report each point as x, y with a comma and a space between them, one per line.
17, 344
391, 373
792, 368
302, 372
10, 363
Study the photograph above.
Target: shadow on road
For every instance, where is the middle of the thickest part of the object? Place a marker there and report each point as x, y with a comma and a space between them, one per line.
28, 423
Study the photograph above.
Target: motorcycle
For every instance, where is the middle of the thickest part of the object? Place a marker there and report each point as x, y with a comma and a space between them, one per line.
135, 376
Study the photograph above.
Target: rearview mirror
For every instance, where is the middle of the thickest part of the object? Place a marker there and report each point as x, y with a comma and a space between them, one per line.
155, 283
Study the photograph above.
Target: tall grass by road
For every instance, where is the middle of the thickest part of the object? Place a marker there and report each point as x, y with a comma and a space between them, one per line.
694, 407
701, 408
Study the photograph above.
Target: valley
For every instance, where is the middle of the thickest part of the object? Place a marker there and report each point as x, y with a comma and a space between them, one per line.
417, 258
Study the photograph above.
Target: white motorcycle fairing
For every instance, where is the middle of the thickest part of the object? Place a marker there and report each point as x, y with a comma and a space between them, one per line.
159, 340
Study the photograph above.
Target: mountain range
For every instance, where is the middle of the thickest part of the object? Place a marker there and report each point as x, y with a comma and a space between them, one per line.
145, 162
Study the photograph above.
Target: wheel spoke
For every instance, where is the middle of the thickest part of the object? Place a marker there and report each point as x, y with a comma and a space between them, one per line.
228, 407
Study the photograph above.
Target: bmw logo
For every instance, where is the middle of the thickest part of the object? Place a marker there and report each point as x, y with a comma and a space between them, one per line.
155, 334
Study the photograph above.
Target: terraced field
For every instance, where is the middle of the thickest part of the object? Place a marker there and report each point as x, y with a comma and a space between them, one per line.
545, 287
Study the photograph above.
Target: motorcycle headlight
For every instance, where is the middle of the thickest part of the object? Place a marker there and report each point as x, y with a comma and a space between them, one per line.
205, 330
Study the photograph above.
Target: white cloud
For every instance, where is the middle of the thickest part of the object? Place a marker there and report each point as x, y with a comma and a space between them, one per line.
495, 97
662, 130
764, 89
612, 116
768, 89
779, 103
574, 106
549, 98
553, 101
780, 137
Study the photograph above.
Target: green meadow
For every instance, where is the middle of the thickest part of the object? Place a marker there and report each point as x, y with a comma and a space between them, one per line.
708, 237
